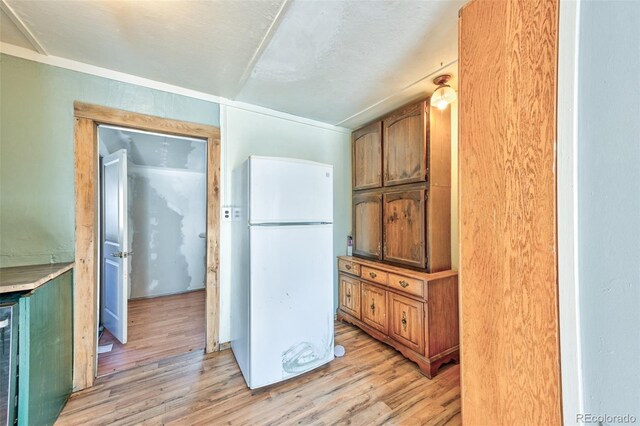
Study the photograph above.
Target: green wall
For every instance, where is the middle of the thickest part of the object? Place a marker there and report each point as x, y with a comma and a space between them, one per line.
36, 150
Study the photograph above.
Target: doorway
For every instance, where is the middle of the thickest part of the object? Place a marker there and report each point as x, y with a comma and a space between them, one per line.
87, 258
152, 247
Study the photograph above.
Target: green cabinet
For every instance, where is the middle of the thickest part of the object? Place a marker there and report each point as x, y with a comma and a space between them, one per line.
45, 351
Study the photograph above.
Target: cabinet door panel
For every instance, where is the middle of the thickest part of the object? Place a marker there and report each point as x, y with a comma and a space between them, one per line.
406, 321
374, 307
405, 145
404, 232
367, 157
350, 296
367, 225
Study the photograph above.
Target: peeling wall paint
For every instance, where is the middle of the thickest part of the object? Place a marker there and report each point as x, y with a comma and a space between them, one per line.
167, 212
36, 150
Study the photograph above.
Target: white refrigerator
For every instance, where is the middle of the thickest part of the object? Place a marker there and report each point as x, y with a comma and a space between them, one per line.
282, 274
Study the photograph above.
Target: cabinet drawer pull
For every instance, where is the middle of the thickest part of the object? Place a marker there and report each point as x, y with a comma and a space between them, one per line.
347, 267
404, 320
373, 306
403, 283
349, 294
373, 274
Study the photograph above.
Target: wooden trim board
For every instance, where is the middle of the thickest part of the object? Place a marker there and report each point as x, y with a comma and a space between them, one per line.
87, 119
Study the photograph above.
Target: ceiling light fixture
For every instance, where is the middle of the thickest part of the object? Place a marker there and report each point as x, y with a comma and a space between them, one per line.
444, 94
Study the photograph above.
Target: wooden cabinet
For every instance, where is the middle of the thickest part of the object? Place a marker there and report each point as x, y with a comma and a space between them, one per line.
46, 351
405, 145
39, 298
374, 307
367, 157
404, 227
350, 295
406, 321
404, 218
367, 220
415, 312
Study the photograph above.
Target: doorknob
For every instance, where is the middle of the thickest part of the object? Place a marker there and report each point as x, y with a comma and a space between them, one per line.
122, 254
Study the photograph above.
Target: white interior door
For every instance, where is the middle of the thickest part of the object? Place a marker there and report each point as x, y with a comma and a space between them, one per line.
115, 250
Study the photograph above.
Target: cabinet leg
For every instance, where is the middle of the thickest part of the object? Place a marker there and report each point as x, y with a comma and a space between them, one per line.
425, 369
435, 366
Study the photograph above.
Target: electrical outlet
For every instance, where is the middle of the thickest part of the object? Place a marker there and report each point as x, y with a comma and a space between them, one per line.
226, 214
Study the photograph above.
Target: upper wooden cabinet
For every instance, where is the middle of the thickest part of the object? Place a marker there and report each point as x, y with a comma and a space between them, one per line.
405, 145
367, 157
412, 227
367, 225
404, 227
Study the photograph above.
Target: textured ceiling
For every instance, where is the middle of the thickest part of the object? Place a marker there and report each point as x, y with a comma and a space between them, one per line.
201, 45
154, 150
339, 62
329, 60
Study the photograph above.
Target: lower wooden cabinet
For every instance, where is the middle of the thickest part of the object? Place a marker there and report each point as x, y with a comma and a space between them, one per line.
374, 307
350, 295
415, 312
406, 321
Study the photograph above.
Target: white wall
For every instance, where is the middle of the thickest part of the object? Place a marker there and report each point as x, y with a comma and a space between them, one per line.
167, 212
246, 133
609, 205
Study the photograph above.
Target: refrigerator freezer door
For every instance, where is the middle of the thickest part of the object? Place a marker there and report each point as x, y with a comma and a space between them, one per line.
284, 190
291, 301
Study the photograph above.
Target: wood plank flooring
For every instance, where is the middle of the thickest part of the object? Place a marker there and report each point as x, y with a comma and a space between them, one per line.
371, 384
159, 328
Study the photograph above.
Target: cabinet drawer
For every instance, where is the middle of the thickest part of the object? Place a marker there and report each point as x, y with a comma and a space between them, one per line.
350, 295
374, 275
348, 267
374, 307
406, 284
406, 321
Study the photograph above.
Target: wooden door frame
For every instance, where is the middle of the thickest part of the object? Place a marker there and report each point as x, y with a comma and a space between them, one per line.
87, 117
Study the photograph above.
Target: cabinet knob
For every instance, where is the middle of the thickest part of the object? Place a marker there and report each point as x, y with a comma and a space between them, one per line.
403, 284
404, 320
373, 274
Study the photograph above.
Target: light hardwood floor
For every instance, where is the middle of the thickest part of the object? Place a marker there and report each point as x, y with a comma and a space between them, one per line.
371, 384
159, 328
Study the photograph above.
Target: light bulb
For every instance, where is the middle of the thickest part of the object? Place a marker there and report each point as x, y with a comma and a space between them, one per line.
442, 97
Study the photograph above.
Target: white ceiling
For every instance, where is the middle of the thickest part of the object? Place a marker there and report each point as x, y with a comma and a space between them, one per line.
9, 33
339, 62
154, 150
